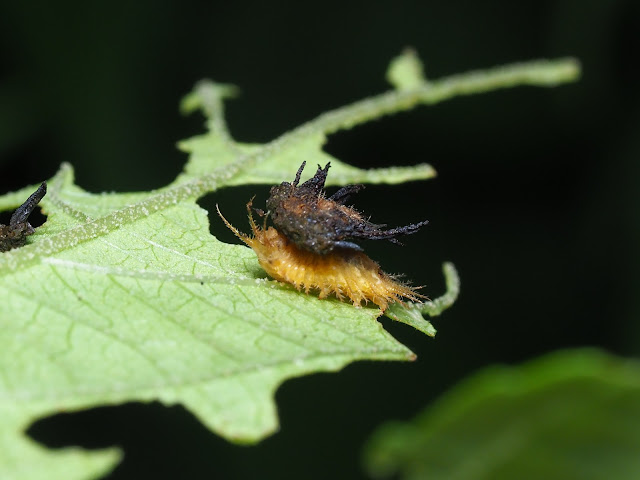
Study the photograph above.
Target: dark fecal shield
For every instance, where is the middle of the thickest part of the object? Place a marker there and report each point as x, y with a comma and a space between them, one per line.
321, 224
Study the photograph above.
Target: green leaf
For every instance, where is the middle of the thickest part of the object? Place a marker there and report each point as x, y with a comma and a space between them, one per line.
572, 414
128, 297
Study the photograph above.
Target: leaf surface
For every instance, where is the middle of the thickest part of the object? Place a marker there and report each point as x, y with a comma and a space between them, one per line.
124, 297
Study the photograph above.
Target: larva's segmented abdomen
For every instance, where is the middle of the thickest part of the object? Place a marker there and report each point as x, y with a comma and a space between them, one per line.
345, 274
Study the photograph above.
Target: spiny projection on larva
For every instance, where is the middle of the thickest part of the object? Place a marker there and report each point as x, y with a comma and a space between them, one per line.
15, 234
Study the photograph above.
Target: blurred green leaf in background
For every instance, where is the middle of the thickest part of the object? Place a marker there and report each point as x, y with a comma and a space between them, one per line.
567, 415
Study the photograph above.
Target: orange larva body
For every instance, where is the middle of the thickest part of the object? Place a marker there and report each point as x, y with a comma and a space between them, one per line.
345, 273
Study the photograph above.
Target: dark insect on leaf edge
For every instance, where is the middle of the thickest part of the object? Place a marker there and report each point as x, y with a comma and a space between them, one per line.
15, 234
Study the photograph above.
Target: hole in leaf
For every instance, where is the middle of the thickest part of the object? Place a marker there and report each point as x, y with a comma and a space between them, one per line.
233, 205
157, 441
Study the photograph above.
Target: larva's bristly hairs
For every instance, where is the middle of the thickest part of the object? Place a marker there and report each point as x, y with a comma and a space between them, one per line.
310, 244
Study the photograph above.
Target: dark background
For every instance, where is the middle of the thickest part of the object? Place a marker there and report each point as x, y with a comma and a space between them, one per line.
536, 201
